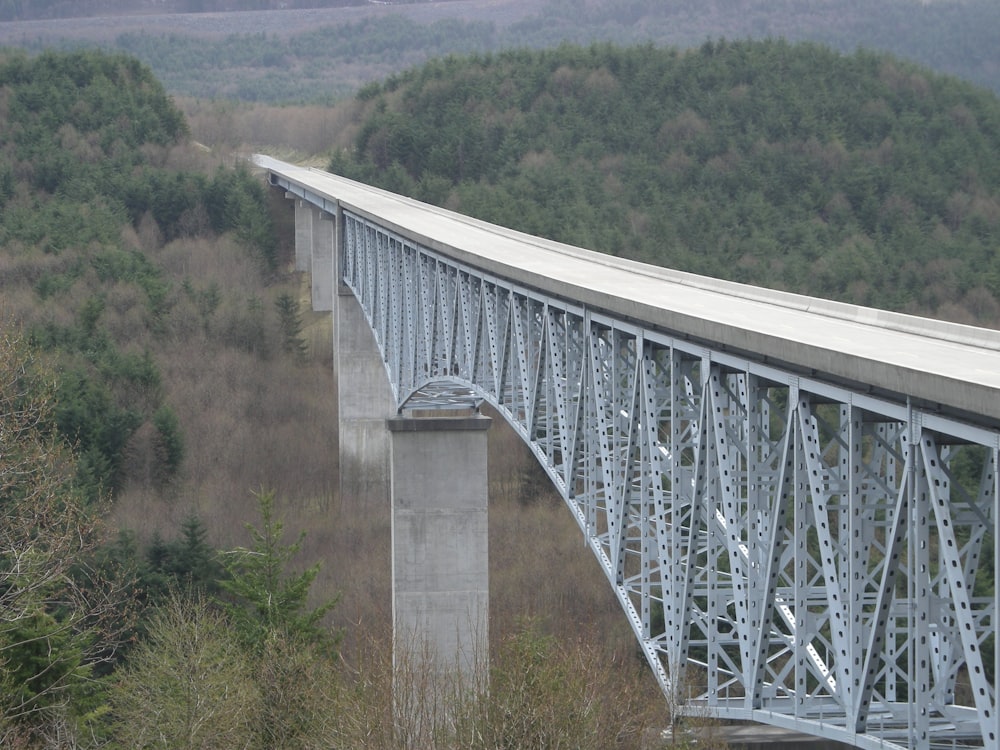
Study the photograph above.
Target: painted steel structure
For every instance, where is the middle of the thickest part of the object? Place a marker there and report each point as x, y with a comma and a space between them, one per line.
794, 500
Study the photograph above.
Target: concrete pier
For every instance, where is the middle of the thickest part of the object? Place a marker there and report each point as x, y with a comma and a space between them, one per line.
439, 540
324, 240
304, 213
365, 401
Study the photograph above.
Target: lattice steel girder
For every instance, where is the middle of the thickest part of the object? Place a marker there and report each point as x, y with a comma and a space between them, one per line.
786, 549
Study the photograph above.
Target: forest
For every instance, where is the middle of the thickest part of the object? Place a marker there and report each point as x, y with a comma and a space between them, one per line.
165, 448
30, 10
168, 425
274, 61
854, 177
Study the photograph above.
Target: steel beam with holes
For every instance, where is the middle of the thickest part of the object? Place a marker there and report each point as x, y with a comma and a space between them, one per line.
791, 544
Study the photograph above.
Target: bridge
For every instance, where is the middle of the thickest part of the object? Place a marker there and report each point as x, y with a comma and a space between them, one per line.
793, 499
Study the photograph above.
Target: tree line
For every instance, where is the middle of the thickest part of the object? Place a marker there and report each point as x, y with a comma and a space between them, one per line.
854, 177
329, 63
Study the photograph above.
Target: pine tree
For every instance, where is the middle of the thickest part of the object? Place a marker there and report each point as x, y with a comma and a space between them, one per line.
290, 318
265, 598
61, 615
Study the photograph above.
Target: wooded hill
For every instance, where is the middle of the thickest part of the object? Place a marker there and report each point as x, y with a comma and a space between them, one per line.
86, 141
156, 373
276, 57
854, 177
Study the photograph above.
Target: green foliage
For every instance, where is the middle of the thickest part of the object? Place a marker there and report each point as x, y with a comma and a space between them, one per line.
59, 617
87, 416
43, 664
83, 141
322, 64
257, 65
290, 320
57, 97
856, 177
188, 562
266, 598
170, 440
104, 395
236, 200
187, 685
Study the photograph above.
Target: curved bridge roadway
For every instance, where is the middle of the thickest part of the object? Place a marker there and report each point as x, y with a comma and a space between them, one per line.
793, 499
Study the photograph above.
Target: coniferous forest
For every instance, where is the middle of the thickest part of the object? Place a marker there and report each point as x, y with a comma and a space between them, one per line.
171, 511
853, 177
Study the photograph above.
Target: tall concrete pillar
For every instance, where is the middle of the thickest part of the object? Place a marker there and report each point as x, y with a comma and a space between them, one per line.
304, 212
323, 269
364, 398
440, 578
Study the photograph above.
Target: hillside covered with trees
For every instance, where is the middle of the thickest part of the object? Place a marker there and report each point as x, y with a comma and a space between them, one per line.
853, 177
166, 395
166, 438
293, 56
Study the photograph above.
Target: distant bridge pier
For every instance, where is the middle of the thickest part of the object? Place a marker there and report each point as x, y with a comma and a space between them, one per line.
304, 212
440, 555
431, 469
315, 240
364, 395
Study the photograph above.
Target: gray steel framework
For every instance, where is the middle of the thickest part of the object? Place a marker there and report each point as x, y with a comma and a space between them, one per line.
787, 550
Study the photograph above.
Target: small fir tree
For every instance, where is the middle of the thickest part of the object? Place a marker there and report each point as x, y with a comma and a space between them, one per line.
265, 599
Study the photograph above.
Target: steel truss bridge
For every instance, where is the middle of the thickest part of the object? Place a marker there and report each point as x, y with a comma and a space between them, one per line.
794, 500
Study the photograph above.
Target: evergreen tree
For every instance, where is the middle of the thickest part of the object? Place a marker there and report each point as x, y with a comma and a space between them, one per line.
290, 318
265, 599
60, 615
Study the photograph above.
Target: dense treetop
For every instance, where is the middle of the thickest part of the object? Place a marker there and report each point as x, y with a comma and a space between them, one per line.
84, 143
857, 177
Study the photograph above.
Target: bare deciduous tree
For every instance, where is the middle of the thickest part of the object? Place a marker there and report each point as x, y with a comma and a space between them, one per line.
60, 616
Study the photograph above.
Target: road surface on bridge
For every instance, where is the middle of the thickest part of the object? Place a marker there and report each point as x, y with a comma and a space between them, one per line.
943, 365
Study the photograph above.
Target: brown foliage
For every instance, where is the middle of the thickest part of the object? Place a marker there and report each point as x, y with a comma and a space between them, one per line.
60, 615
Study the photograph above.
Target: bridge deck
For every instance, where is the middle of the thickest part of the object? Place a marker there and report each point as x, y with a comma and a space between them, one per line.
942, 365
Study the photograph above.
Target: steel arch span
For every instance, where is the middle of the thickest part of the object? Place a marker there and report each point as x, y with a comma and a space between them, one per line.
790, 547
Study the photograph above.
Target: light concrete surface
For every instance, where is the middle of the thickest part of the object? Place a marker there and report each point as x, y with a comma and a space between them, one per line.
939, 364
304, 212
440, 551
365, 400
323, 241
